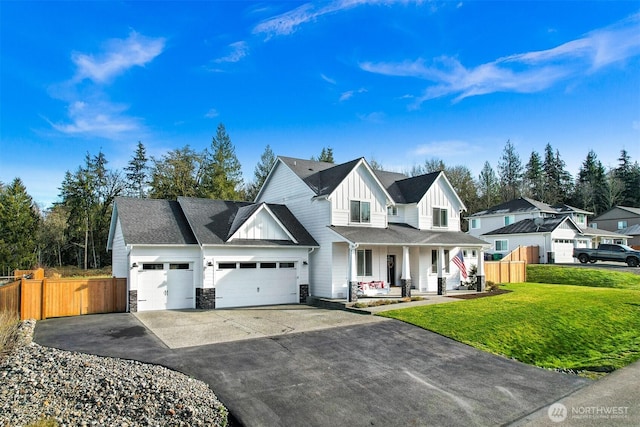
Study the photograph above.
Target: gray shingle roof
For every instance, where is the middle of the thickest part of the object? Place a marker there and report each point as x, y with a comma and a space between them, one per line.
153, 222
529, 226
523, 204
400, 234
214, 221
323, 178
590, 231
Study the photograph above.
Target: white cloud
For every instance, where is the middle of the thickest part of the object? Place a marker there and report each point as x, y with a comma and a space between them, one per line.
521, 73
349, 94
327, 79
375, 117
212, 113
101, 119
289, 22
444, 149
118, 56
238, 50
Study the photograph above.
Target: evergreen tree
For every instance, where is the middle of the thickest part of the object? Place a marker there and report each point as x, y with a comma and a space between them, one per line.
222, 173
591, 185
510, 173
326, 155
488, 187
534, 177
629, 174
19, 223
260, 173
53, 238
557, 184
177, 173
137, 173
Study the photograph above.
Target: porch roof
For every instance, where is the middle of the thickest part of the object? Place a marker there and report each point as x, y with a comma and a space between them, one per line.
405, 235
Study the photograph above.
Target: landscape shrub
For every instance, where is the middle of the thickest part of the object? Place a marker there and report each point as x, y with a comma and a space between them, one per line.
9, 323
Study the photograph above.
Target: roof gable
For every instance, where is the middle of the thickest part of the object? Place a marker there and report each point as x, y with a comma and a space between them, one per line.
152, 222
218, 222
618, 212
538, 225
520, 205
258, 222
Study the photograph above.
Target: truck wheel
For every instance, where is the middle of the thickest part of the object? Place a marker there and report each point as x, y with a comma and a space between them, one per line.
632, 262
583, 258
592, 261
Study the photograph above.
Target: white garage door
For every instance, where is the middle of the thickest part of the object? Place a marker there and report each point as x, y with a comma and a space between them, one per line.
164, 286
563, 251
240, 284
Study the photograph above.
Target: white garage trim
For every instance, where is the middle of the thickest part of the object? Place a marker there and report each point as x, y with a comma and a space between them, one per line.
256, 282
165, 285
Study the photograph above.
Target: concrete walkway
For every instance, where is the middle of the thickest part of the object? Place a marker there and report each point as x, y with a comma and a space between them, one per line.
611, 401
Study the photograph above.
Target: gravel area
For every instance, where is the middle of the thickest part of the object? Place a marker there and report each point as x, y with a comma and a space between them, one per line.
78, 389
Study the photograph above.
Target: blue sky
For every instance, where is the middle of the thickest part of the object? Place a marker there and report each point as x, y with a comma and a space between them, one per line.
397, 81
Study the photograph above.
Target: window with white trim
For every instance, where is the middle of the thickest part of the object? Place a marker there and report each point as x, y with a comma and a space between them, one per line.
392, 210
434, 261
622, 224
475, 223
365, 262
502, 245
360, 211
509, 219
440, 217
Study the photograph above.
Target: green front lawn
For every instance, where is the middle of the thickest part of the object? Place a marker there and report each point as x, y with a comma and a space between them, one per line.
581, 276
551, 326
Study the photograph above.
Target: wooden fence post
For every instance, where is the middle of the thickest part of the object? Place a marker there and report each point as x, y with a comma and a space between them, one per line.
43, 299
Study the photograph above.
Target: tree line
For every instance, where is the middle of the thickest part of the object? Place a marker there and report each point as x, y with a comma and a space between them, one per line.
75, 229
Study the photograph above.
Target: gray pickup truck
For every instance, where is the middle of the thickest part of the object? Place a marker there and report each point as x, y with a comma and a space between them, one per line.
607, 252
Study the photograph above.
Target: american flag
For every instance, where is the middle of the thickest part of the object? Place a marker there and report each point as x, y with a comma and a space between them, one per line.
459, 261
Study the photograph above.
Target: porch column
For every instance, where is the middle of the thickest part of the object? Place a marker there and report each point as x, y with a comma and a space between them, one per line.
405, 279
480, 281
352, 283
442, 281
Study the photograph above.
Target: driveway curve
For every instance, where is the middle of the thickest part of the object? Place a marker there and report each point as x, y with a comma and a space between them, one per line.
383, 373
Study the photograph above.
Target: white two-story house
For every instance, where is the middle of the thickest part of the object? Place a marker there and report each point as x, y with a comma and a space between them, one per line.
556, 230
374, 229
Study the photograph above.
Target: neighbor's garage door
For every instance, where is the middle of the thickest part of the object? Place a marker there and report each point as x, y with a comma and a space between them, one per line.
241, 284
563, 250
164, 286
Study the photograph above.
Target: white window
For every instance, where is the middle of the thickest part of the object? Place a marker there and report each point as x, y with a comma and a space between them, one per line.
622, 224
360, 211
474, 253
365, 262
509, 219
440, 217
434, 261
475, 223
502, 245
594, 225
581, 219
392, 210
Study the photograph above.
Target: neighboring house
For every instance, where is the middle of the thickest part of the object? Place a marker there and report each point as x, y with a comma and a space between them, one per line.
620, 219
556, 230
202, 253
374, 228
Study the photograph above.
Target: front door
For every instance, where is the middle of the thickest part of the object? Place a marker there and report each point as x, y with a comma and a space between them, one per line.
391, 270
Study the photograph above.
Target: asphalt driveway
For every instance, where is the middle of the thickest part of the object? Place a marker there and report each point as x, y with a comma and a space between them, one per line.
383, 373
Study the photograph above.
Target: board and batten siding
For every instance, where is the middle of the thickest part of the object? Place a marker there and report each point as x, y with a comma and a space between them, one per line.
120, 261
261, 226
359, 185
439, 196
285, 187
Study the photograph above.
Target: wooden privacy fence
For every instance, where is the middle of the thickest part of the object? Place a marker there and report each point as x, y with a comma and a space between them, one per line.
505, 271
40, 299
528, 254
10, 297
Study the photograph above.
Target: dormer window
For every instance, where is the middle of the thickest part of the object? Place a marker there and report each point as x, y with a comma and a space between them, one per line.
440, 217
360, 211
